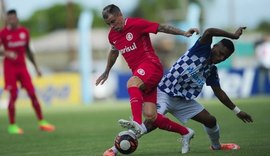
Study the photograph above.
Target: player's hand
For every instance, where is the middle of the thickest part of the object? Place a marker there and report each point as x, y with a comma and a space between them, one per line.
191, 31
244, 117
11, 55
39, 74
239, 32
103, 77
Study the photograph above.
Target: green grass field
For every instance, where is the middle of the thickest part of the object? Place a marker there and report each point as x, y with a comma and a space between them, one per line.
89, 130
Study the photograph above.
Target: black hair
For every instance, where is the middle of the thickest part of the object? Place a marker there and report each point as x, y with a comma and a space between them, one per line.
11, 11
110, 9
228, 43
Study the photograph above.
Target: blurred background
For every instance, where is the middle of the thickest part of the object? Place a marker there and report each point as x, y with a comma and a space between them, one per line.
69, 39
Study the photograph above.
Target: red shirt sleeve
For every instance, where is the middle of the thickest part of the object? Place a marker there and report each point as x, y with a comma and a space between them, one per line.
147, 26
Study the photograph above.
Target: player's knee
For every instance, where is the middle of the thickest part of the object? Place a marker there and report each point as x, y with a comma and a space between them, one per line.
211, 121
150, 111
134, 81
13, 94
150, 116
11, 106
30, 92
32, 95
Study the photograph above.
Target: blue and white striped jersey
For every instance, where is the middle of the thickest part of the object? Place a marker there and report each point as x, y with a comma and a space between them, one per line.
191, 71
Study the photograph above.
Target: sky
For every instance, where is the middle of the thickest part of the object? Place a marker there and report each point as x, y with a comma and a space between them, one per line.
26, 8
220, 13
237, 12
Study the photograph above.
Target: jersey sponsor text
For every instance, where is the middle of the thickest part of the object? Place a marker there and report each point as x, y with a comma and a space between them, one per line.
128, 48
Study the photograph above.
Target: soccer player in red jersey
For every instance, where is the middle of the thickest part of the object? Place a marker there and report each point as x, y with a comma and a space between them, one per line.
130, 37
15, 41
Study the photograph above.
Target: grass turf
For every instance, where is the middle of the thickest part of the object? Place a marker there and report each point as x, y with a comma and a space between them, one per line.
89, 130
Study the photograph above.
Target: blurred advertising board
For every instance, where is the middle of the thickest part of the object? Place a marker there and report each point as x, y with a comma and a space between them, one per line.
60, 88
236, 82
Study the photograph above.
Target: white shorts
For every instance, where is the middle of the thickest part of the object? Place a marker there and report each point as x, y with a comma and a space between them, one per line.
180, 108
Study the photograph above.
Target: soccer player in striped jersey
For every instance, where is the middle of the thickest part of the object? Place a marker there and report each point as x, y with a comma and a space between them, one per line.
186, 78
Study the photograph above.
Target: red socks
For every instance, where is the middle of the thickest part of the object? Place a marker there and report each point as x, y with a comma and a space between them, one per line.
165, 123
36, 106
136, 101
11, 110
162, 122
11, 105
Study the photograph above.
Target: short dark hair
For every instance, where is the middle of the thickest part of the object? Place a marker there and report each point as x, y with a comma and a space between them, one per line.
228, 43
11, 11
110, 9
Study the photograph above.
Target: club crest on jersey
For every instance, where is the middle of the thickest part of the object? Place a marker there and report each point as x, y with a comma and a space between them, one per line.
129, 36
9, 37
141, 71
22, 35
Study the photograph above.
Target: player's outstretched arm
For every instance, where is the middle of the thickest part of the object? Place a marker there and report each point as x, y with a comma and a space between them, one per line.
222, 96
212, 32
110, 62
175, 31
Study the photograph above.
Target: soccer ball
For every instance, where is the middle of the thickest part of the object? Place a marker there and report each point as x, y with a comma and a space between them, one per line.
126, 142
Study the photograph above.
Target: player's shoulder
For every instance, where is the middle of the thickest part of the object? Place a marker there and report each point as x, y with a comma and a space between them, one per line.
132, 20
23, 28
3, 31
111, 33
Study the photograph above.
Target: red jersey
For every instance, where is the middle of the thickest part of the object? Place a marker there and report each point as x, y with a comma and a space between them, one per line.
134, 43
15, 40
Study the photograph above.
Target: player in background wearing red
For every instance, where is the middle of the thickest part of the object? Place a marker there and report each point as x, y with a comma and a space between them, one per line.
130, 37
15, 41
